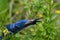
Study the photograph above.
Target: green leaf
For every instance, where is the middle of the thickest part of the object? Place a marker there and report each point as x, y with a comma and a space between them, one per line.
3, 5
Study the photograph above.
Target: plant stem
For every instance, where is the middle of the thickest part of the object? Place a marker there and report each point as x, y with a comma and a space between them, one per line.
10, 10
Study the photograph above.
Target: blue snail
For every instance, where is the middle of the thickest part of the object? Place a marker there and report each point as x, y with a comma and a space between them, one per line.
19, 25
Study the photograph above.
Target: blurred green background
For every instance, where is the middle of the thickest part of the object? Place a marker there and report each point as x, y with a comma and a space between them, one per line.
14, 10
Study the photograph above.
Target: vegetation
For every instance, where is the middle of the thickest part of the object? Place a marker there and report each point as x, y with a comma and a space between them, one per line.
14, 10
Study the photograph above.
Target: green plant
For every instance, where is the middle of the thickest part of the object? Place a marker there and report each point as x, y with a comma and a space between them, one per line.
20, 9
